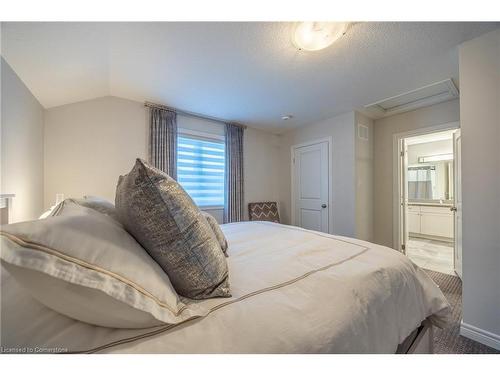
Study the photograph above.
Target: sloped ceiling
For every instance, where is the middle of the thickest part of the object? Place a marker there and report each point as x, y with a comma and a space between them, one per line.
247, 72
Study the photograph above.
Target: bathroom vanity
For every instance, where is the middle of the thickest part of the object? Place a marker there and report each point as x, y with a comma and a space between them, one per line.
431, 220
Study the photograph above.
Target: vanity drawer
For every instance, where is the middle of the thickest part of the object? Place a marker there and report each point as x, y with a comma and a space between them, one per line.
435, 210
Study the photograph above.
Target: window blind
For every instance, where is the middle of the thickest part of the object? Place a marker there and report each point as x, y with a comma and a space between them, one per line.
201, 168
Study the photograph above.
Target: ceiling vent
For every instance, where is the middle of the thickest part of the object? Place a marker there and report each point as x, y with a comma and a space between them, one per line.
425, 96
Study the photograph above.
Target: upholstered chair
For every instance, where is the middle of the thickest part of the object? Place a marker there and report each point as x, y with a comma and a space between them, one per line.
263, 211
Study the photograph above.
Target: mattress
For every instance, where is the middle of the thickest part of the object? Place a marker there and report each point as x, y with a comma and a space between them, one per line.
293, 291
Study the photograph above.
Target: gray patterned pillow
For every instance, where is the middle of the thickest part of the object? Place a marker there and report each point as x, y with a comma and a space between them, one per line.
162, 217
217, 231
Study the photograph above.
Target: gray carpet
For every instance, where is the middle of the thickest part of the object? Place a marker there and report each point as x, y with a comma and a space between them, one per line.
449, 341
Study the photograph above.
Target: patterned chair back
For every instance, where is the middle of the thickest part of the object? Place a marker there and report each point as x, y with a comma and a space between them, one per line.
263, 211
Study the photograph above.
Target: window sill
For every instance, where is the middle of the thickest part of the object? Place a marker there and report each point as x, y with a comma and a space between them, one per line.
203, 208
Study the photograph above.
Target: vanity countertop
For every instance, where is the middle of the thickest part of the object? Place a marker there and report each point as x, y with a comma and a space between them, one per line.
430, 204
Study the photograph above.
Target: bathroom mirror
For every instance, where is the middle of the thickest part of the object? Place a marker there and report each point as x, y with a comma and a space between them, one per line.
431, 181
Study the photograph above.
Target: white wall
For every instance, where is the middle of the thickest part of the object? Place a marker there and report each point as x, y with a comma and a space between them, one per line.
21, 146
341, 129
364, 180
261, 166
89, 144
384, 129
479, 66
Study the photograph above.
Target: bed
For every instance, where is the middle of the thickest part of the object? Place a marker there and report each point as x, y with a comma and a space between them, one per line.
293, 291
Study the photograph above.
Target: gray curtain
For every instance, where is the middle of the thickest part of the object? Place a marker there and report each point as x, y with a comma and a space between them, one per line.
233, 201
163, 140
420, 181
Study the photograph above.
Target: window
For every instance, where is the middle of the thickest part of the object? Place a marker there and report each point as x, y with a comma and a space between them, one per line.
200, 169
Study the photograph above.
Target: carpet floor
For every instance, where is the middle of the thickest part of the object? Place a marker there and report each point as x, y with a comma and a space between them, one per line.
448, 340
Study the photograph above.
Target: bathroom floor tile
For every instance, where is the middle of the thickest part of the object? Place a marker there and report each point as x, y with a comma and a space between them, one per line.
430, 254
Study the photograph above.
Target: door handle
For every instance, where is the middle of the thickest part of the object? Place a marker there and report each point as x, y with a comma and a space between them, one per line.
454, 209
323, 205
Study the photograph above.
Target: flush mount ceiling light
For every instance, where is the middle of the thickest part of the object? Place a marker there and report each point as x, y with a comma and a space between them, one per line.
313, 36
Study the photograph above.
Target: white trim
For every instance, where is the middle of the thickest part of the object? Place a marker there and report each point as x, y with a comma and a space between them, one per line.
450, 94
330, 178
200, 134
396, 137
211, 208
480, 335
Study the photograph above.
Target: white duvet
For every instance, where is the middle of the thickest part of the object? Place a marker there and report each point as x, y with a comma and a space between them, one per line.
294, 291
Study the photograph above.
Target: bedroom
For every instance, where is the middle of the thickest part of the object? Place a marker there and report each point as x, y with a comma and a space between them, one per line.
253, 149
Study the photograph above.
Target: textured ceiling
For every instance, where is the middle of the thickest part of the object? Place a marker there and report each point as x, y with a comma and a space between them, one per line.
248, 72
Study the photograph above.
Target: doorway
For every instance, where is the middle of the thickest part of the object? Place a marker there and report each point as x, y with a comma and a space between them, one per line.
429, 198
311, 185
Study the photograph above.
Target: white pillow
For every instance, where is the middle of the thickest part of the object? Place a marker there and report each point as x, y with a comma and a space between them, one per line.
47, 213
97, 203
85, 265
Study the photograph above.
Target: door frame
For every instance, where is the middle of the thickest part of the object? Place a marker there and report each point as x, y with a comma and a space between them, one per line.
396, 173
329, 140
458, 208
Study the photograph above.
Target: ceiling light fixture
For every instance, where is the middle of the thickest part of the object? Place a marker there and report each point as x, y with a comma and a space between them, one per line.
313, 36
286, 117
441, 157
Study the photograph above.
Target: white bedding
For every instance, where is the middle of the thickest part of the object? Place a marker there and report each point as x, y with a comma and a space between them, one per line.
294, 291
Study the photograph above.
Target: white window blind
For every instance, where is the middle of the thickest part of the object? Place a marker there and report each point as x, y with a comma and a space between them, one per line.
200, 169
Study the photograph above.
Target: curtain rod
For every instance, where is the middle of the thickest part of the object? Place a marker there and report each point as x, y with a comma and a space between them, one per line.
191, 114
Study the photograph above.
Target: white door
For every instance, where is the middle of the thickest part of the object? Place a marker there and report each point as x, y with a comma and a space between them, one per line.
311, 186
457, 196
403, 198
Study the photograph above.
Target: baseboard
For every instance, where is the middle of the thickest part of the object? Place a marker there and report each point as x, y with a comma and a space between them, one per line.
477, 334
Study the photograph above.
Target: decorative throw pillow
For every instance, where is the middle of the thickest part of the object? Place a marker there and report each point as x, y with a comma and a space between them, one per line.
157, 211
217, 231
83, 264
